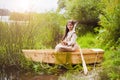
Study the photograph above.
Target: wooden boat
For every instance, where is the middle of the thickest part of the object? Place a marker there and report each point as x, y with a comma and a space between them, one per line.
50, 56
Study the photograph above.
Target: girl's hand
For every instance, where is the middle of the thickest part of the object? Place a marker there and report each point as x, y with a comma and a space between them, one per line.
64, 43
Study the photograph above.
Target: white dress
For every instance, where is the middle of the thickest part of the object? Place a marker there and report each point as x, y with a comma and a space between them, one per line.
71, 41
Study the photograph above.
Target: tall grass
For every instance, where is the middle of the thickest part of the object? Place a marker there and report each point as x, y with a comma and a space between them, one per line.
39, 32
13, 38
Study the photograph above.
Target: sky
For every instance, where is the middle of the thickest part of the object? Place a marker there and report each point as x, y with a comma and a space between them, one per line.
29, 5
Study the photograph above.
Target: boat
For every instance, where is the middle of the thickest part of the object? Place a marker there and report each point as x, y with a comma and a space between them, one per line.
91, 56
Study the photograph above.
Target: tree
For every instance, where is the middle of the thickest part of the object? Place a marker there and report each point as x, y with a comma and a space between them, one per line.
4, 12
110, 22
85, 11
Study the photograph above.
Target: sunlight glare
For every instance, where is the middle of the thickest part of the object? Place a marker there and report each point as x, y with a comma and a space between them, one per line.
23, 5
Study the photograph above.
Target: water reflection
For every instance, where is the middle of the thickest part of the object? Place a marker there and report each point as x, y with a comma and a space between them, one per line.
9, 75
18, 75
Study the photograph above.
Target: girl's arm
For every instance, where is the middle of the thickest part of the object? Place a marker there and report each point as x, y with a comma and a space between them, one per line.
73, 40
64, 43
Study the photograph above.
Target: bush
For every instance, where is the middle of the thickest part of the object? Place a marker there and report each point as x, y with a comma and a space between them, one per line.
110, 27
111, 66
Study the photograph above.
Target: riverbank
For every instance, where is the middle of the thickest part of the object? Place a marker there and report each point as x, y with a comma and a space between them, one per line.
13, 73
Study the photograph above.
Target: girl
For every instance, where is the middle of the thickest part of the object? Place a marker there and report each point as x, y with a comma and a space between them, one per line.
68, 43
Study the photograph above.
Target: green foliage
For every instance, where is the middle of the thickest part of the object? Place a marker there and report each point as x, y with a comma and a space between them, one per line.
87, 41
111, 66
61, 4
50, 29
84, 11
19, 16
110, 32
68, 76
39, 32
109, 39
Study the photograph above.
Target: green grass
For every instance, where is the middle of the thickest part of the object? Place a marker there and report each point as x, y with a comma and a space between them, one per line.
87, 41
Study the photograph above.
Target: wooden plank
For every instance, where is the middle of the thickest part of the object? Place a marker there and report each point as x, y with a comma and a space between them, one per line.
50, 56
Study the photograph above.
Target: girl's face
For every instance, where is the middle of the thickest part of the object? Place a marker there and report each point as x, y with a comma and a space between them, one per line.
70, 26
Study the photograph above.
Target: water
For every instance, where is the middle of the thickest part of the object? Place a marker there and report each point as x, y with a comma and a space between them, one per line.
4, 18
13, 74
26, 76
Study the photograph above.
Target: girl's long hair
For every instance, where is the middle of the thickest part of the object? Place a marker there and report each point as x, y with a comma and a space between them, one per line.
67, 30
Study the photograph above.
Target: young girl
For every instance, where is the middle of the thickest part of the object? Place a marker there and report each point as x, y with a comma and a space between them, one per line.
68, 43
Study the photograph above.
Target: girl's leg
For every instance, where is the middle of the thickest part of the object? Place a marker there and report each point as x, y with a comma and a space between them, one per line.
76, 48
61, 48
